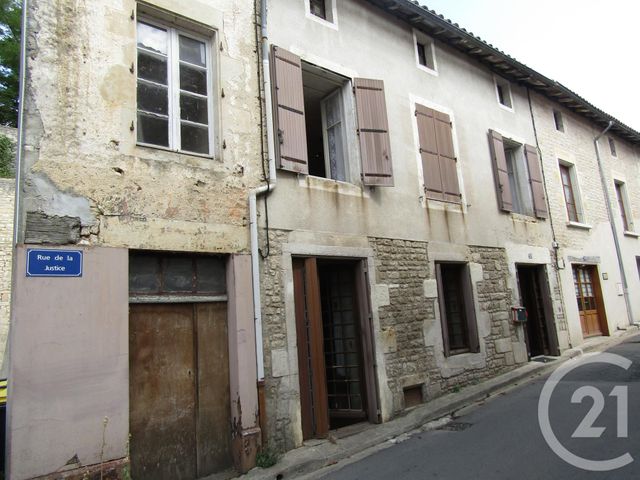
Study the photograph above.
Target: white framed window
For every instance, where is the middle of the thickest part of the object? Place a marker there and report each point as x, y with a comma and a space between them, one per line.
519, 182
174, 103
424, 52
323, 11
503, 93
623, 205
558, 120
571, 192
612, 147
328, 100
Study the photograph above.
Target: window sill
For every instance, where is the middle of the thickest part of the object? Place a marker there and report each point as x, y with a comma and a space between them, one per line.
524, 217
170, 150
504, 107
579, 225
322, 21
431, 71
330, 185
628, 233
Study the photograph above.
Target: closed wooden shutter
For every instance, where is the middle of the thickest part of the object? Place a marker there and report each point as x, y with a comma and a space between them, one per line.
373, 131
535, 178
288, 98
501, 174
438, 157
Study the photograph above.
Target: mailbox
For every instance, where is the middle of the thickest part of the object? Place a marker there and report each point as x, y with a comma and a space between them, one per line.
519, 314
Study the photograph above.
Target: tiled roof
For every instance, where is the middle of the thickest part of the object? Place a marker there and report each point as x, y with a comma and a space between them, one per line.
444, 30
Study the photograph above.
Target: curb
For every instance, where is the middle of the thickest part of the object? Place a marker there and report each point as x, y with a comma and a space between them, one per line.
309, 459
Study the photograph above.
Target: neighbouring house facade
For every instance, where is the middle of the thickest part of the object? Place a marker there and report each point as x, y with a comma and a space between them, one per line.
407, 218
7, 196
593, 281
141, 141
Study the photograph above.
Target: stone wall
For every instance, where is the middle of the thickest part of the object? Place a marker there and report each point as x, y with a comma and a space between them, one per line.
403, 266
407, 328
7, 193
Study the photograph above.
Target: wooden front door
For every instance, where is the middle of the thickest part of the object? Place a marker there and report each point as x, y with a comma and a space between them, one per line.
589, 300
178, 390
335, 348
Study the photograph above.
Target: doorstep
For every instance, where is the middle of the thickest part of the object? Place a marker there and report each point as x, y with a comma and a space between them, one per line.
318, 454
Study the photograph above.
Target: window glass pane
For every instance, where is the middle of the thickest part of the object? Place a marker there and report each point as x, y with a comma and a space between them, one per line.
194, 139
193, 51
178, 274
144, 274
194, 109
210, 275
153, 130
193, 80
152, 68
152, 38
153, 98
318, 8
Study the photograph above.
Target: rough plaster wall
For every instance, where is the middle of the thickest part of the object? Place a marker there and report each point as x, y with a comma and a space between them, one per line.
7, 195
80, 157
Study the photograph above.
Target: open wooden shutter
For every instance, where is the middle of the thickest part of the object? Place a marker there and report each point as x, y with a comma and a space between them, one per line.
470, 310
288, 100
438, 158
500, 172
448, 160
535, 178
373, 130
429, 153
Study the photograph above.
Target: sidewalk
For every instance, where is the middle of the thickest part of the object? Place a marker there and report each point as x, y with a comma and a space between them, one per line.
315, 455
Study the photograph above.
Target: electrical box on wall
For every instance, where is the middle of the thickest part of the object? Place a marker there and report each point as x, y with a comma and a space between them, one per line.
519, 314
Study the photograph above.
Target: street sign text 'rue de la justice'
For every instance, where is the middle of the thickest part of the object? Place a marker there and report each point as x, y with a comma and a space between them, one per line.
54, 263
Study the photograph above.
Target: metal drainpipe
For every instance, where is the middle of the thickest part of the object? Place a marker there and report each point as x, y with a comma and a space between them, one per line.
614, 230
17, 218
263, 189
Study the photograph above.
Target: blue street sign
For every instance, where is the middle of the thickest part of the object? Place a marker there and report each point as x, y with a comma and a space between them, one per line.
54, 263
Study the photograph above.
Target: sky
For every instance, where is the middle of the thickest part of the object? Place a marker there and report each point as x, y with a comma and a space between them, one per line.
589, 46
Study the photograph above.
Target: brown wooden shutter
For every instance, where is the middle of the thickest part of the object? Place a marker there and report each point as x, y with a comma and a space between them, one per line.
429, 153
470, 310
438, 158
288, 98
535, 179
448, 160
373, 130
500, 172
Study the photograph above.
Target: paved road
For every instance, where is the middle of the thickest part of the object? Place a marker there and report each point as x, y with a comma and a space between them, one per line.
502, 438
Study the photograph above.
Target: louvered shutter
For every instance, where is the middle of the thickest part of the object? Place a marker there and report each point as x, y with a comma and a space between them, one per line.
501, 174
438, 158
429, 153
535, 179
448, 170
288, 99
373, 131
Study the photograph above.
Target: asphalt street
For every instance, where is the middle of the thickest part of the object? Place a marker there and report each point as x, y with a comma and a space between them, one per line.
502, 438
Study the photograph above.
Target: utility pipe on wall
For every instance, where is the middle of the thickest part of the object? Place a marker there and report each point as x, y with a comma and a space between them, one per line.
614, 230
264, 189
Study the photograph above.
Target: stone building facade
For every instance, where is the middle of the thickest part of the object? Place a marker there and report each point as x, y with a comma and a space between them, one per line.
400, 238
566, 142
141, 127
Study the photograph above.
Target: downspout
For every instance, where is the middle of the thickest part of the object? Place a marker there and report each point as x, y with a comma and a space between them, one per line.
17, 219
263, 189
614, 230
